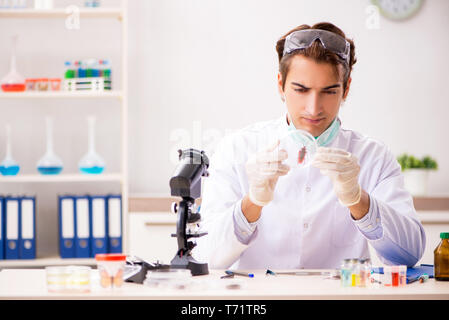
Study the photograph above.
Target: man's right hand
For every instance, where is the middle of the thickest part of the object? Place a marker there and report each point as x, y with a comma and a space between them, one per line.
264, 170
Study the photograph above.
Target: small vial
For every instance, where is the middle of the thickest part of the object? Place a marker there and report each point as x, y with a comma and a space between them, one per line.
345, 273
387, 278
441, 258
363, 274
302, 155
70, 71
395, 276
402, 275
354, 272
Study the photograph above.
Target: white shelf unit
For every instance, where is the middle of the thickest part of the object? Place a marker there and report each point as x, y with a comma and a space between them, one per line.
61, 94
75, 177
27, 13
120, 13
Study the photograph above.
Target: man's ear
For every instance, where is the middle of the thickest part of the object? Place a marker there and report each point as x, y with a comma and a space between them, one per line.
348, 85
281, 91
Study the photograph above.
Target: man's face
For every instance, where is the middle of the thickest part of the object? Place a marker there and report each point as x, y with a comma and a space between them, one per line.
313, 93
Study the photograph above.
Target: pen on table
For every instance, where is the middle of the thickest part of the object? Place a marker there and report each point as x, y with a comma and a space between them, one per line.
243, 274
422, 278
299, 273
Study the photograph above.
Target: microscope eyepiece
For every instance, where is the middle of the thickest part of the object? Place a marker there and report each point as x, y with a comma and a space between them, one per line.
186, 180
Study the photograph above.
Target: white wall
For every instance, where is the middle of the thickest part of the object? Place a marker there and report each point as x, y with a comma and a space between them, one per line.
202, 68
199, 69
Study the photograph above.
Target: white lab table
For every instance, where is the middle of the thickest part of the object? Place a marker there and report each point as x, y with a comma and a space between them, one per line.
31, 284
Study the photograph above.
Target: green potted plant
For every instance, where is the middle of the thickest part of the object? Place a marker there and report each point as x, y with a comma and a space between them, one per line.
416, 172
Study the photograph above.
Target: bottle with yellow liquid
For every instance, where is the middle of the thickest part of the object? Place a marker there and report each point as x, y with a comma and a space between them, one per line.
441, 258
355, 274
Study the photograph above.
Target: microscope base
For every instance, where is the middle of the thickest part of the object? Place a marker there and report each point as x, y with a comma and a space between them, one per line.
188, 262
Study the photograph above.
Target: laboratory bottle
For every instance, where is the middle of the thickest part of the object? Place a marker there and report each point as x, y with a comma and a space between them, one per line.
345, 273
97, 67
81, 69
354, 272
106, 69
90, 68
441, 258
361, 279
100, 68
367, 269
69, 70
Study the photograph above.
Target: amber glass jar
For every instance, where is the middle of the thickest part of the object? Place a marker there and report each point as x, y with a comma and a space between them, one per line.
441, 258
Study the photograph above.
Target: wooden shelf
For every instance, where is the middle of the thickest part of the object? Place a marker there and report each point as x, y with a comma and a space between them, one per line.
60, 94
151, 203
76, 177
30, 13
46, 261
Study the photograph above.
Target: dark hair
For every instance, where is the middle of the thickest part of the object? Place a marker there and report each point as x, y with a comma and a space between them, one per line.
317, 52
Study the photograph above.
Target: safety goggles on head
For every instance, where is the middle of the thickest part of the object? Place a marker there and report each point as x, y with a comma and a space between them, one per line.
303, 39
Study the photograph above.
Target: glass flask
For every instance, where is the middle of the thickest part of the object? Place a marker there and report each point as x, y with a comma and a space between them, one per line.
9, 167
300, 146
91, 162
50, 163
13, 81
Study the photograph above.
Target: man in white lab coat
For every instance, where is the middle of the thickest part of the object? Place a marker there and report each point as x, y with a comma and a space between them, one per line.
352, 194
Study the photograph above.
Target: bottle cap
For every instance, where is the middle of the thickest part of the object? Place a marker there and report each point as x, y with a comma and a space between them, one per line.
110, 257
444, 235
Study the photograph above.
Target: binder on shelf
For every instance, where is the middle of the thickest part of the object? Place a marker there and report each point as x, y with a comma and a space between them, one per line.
12, 223
114, 217
67, 226
27, 248
83, 227
2, 256
99, 239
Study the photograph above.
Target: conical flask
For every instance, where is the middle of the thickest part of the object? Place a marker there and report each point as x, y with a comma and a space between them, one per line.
50, 163
91, 162
9, 167
13, 81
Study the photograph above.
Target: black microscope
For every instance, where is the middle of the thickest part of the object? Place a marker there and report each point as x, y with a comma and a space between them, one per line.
185, 183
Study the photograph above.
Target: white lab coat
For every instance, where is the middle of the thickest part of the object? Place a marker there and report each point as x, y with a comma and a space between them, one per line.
305, 226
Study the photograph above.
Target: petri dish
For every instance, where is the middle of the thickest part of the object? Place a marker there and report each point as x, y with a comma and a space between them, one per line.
169, 278
300, 145
68, 279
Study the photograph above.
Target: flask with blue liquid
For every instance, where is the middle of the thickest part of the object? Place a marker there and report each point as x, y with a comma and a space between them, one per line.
50, 163
9, 167
91, 162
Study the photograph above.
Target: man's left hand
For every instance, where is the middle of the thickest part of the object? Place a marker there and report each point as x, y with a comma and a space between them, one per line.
343, 169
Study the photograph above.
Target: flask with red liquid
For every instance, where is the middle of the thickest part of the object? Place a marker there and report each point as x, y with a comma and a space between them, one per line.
13, 81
